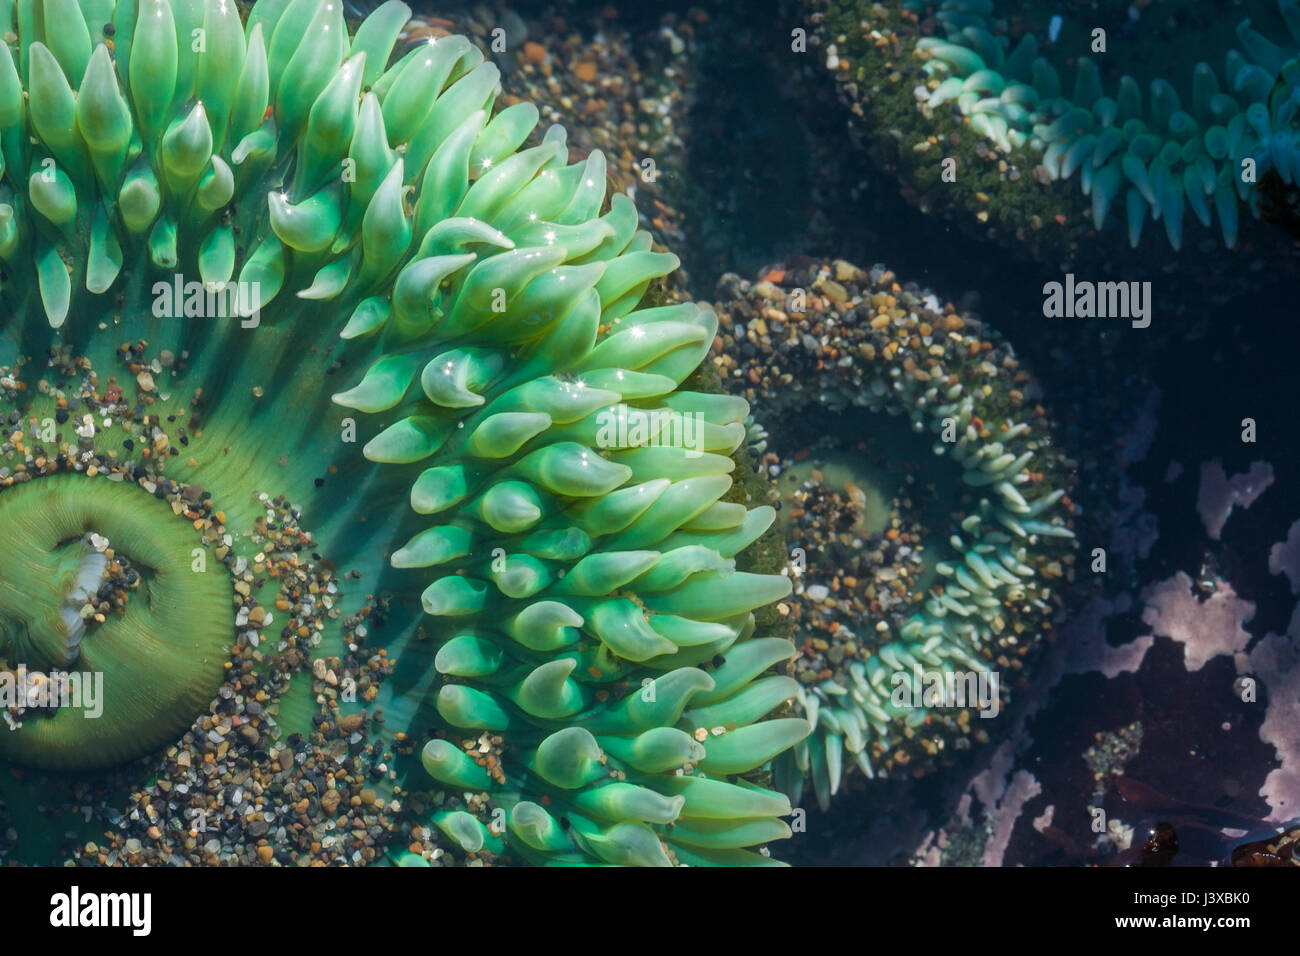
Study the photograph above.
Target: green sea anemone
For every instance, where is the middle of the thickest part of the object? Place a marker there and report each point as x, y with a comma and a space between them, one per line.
227, 212
971, 584
49, 574
1159, 158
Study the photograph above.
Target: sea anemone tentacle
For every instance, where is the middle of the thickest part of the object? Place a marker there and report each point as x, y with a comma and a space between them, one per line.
913, 614
1175, 153
342, 212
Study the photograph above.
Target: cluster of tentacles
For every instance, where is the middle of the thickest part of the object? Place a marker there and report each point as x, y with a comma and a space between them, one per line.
1161, 160
988, 581
577, 556
991, 574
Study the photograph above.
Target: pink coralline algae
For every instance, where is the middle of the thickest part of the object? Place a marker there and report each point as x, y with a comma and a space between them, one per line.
1086, 638
1284, 557
1207, 628
1275, 663
1024, 787
1216, 626
1003, 796
1218, 494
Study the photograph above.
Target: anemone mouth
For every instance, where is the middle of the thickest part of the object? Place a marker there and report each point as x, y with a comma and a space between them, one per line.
140, 675
870, 507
